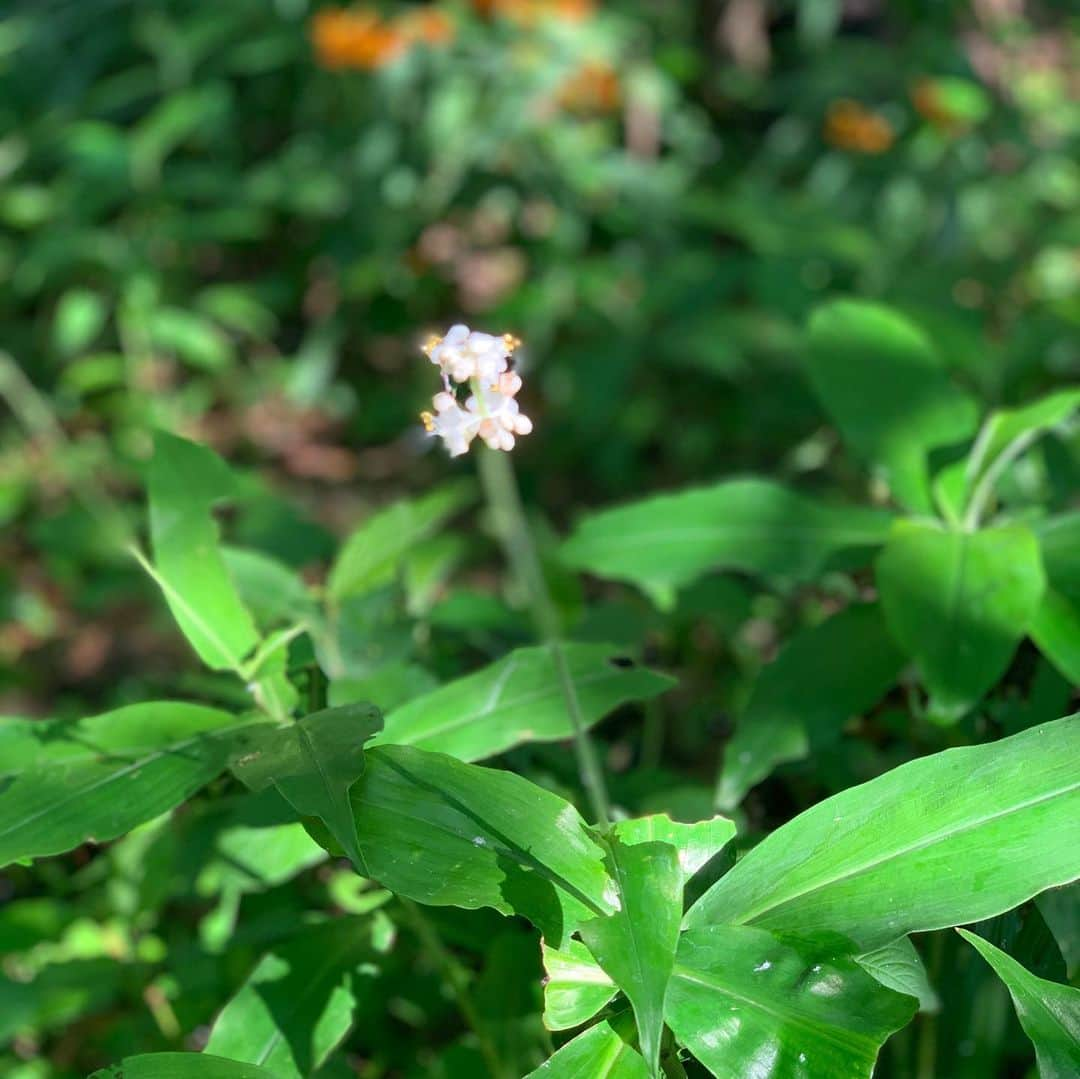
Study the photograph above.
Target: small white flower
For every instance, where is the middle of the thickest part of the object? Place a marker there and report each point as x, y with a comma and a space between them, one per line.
481, 359
463, 354
456, 427
500, 415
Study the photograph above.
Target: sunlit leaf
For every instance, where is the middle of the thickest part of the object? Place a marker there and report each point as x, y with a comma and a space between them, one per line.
519, 699
746, 1002
597, 1053
958, 603
62, 784
885, 388
940, 841
576, 988
1048, 1012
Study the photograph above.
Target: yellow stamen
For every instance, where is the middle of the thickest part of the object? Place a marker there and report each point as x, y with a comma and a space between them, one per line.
428, 420
511, 342
429, 345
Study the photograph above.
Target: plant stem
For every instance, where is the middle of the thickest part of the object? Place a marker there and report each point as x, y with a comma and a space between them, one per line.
458, 980
504, 498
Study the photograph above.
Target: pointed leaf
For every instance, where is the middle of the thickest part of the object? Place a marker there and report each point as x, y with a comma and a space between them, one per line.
885, 388
185, 480
636, 945
597, 1053
757, 526
518, 699
1048, 1012
575, 988
941, 841
958, 603
313, 763
64, 783
746, 1002
822, 677
298, 1002
899, 966
694, 843
446, 833
372, 554
181, 1066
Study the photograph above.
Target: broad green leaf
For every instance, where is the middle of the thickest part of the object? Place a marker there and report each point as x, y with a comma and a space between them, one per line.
694, 843
822, 678
958, 603
185, 480
575, 988
62, 784
757, 526
313, 763
941, 841
297, 1004
1056, 627
446, 833
899, 966
372, 554
597, 1053
636, 945
190, 337
182, 1066
1007, 433
746, 1002
518, 699
1048, 1012
880, 380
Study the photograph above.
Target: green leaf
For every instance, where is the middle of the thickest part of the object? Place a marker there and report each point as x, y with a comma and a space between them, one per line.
191, 338
273, 592
822, 678
885, 388
1048, 1012
446, 833
636, 945
181, 1066
898, 966
941, 841
298, 1002
62, 784
1005, 435
372, 554
80, 316
694, 843
746, 1002
958, 603
1056, 627
752, 525
185, 480
518, 699
575, 988
313, 763
597, 1053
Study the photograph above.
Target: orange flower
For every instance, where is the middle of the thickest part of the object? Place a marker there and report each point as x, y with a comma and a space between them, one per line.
355, 39
851, 126
529, 12
594, 87
429, 24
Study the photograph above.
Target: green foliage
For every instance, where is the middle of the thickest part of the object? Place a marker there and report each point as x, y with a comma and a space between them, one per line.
799, 542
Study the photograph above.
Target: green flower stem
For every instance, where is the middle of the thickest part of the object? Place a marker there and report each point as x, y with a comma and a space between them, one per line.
504, 499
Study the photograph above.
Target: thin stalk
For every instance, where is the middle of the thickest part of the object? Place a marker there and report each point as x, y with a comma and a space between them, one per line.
458, 980
512, 527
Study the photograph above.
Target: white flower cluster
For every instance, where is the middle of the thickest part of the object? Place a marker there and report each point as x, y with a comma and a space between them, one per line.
481, 360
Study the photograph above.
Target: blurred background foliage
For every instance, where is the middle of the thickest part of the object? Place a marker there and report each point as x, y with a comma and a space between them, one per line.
236, 221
